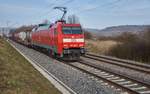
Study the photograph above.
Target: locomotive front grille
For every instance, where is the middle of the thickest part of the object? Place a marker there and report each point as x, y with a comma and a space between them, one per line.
74, 51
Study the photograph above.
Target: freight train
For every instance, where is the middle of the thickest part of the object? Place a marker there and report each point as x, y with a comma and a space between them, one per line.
61, 39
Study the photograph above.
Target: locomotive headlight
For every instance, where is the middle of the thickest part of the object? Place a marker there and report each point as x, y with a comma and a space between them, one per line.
81, 45
65, 45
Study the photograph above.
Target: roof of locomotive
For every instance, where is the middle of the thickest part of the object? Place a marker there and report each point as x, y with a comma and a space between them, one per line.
68, 24
49, 25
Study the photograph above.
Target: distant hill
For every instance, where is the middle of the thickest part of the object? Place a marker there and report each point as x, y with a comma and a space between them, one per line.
116, 30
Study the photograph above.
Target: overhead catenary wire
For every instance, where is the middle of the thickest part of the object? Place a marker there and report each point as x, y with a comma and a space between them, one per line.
53, 5
46, 12
103, 5
65, 3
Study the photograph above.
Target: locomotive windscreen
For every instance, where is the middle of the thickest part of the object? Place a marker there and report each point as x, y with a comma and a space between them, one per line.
72, 30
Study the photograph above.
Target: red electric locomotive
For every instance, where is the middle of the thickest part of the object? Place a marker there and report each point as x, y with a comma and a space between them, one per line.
61, 39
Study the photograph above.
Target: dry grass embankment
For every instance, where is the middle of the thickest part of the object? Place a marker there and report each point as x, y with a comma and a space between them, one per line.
18, 76
100, 47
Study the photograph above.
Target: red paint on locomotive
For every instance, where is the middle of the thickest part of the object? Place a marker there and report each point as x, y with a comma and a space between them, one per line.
61, 38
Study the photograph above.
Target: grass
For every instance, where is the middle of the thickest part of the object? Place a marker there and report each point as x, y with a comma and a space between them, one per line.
18, 76
100, 47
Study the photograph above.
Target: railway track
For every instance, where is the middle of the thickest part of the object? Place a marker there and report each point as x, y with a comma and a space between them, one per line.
122, 82
144, 68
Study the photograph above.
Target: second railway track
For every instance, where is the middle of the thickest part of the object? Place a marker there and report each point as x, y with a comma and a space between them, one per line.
122, 82
144, 68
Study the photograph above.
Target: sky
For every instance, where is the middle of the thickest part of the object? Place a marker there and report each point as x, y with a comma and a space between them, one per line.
91, 13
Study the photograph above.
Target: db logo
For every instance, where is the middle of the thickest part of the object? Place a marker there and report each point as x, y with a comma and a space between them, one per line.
73, 40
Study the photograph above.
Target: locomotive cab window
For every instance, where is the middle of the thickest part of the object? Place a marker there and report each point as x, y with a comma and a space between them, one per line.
72, 30
43, 27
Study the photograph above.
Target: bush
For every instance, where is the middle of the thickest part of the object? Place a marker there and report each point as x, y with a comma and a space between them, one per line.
126, 37
88, 35
104, 38
133, 47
